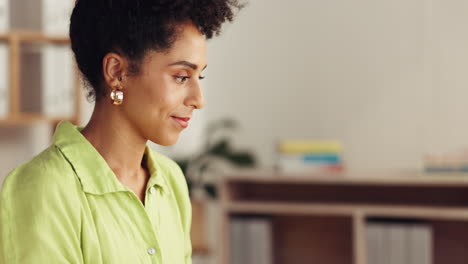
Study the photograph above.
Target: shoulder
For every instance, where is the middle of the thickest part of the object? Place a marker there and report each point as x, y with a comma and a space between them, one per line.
47, 174
40, 216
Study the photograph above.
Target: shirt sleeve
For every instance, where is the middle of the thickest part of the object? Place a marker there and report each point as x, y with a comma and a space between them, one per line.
39, 221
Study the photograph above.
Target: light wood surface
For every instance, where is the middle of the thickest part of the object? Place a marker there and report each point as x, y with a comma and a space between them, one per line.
415, 212
359, 238
365, 177
31, 36
14, 48
199, 244
224, 234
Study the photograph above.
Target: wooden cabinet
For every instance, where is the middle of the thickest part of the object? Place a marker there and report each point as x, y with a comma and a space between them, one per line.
322, 218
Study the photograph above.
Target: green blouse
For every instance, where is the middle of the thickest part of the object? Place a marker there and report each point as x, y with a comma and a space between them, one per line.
67, 206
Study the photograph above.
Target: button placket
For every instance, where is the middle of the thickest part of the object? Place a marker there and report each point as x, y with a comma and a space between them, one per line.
152, 196
151, 251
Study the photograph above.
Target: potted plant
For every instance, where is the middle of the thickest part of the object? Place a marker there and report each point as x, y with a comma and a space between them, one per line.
216, 148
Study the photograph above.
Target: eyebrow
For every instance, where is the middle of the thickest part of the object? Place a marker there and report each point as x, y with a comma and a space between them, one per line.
188, 64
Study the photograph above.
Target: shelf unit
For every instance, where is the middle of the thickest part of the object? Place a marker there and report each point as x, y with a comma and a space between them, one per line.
15, 40
321, 218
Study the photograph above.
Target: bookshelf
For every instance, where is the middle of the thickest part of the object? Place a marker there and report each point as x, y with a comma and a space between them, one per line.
16, 41
321, 218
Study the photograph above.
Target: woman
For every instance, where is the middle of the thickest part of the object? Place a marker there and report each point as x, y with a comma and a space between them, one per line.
98, 194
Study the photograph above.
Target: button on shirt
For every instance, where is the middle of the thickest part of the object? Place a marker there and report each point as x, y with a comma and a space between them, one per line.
67, 206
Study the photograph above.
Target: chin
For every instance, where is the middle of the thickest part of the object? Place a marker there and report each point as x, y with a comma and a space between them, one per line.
165, 141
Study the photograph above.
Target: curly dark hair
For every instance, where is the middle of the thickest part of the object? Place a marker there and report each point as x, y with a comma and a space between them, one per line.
133, 27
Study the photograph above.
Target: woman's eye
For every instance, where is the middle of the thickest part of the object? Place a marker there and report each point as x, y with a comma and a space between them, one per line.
181, 79
201, 77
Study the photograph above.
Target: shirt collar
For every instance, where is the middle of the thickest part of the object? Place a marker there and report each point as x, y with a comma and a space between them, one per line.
95, 175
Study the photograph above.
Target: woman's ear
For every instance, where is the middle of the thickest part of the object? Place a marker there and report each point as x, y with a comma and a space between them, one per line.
113, 68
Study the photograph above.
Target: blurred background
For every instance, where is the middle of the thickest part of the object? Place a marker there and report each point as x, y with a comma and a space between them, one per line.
379, 86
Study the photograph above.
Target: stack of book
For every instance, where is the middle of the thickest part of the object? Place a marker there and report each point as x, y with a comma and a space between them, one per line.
309, 156
251, 241
454, 161
399, 243
4, 59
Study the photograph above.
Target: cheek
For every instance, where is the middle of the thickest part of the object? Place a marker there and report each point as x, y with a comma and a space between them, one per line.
160, 99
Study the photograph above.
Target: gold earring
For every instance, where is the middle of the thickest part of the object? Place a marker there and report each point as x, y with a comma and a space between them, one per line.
117, 96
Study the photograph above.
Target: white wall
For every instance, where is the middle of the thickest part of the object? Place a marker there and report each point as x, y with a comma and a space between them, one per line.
387, 78
18, 144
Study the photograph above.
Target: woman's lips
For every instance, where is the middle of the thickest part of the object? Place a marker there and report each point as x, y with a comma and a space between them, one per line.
182, 121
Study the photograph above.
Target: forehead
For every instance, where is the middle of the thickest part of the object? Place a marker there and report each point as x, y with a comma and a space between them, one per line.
190, 45
188, 36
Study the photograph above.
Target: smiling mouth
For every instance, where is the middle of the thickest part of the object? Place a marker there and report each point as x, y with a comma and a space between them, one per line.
182, 121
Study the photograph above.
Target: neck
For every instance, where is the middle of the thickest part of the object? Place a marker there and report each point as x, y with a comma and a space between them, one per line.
118, 142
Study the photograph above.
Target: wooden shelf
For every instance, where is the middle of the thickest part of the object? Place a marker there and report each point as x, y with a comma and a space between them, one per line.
333, 209
30, 36
413, 212
200, 250
16, 41
396, 177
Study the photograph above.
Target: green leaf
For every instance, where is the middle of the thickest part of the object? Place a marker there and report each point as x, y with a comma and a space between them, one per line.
217, 146
221, 148
242, 159
214, 126
211, 190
